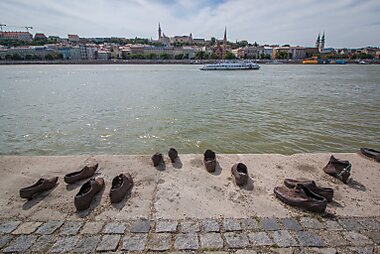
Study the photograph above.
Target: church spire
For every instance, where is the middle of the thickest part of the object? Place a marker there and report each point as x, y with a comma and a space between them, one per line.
159, 31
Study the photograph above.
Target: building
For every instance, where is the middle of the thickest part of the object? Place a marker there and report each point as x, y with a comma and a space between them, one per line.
320, 42
40, 36
20, 36
220, 47
289, 53
73, 37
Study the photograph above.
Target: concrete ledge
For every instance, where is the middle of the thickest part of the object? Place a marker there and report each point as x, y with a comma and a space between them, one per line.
188, 192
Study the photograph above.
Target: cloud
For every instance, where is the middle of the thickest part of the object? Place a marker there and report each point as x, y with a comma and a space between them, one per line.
347, 23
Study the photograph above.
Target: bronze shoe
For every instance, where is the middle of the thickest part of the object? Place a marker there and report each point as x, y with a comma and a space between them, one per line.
210, 161
87, 171
338, 168
328, 193
41, 185
158, 159
301, 197
371, 153
240, 173
173, 154
121, 184
89, 189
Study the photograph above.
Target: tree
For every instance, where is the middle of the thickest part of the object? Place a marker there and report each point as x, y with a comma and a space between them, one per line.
213, 40
255, 44
179, 56
164, 56
214, 56
17, 56
49, 57
200, 55
229, 55
8, 57
152, 56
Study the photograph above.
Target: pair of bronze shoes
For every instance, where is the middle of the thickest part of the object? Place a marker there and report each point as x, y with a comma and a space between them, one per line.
121, 184
340, 169
240, 172
371, 153
304, 194
209, 160
158, 159
40, 186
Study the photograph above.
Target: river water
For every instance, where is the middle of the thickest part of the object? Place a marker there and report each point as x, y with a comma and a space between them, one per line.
140, 109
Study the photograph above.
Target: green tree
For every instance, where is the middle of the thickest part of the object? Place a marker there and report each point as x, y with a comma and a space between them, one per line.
8, 57
164, 56
200, 55
229, 55
17, 56
179, 56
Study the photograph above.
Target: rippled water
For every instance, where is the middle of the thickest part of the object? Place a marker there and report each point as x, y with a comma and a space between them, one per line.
138, 109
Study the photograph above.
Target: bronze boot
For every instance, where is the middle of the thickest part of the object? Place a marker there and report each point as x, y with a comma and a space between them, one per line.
301, 197
338, 168
371, 153
173, 154
158, 160
121, 184
88, 170
87, 192
240, 173
328, 193
210, 161
41, 185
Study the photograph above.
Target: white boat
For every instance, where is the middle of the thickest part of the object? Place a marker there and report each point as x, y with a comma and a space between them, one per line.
231, 66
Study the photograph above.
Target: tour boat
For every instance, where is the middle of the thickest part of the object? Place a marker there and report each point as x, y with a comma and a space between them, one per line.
231, 66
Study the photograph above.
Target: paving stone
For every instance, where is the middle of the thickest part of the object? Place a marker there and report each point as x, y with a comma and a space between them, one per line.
376, 250
141, 226
361, 250
318, 251
135, 242
4, 239
166, 226
309, 239
231, 224
236, 240
65, 244
332, 225
350, 223
373, 235
211, 241
43, 243
225, 252
186, 242
27, 228
49, 227
108, 243
291, 224
8, 226
159, 242
190, 227
259, 239
356, 239
283, 238
249, 224
269, 224
277, 250
311, 223
370, 224
334, 238
87, 244
210, 225
71, 227
114, 228
21, 243
92, 227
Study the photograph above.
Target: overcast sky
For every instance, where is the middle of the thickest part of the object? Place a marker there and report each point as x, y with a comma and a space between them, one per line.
347, 23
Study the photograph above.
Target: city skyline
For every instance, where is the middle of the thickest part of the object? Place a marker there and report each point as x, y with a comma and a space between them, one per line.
347, 23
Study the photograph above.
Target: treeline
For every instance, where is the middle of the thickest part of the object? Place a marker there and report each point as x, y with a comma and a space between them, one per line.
18, 57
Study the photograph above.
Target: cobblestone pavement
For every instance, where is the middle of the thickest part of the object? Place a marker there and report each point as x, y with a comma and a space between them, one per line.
222, 235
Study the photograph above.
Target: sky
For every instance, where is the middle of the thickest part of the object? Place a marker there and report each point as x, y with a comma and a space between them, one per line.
347, 23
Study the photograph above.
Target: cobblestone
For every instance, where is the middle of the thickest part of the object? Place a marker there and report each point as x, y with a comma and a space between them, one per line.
211, 241
92, 227
334, 238
141, 226
186, 242
134, 242
27, 228
190, 227
108, 243
332, 225
71, 227
65, 244
249, 224
291, 224
4, 239
260, 239
114, 228
236, 240
356, 239
283, 238
360, 250
166, 226
231, 225
350, 223
159, 242
8, 226
309, 239
311, 223
49, 227
87, 244
21, 243
210, 225
269, 224
370, 224
43, 243
373, 235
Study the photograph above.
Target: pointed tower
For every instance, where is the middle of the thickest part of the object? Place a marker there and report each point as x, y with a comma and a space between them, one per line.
322, 44
225, 42
318, 41
159, 31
